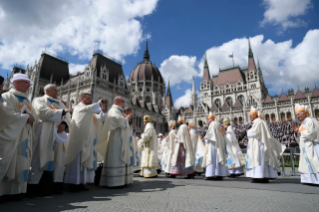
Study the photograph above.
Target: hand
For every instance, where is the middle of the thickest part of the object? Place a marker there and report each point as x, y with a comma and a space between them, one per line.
67, 110
61, 128
31, 119
130, 116
295, 128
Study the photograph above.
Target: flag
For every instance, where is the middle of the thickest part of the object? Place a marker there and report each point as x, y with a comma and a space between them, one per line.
230, 56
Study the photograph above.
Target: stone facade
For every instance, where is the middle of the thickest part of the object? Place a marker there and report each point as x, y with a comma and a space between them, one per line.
234, 90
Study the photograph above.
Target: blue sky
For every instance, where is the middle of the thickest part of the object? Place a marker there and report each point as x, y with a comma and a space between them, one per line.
180, 32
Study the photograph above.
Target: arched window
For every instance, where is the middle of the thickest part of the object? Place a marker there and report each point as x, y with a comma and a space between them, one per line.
218, 103
147, 99
317, 113
229, 101
241, 99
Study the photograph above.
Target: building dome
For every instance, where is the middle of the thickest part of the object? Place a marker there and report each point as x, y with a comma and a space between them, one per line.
145, 70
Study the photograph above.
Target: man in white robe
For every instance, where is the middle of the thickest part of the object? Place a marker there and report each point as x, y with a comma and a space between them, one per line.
261, 158
48, 154
237, 168
114, 145
198, 147
16, 135
183, 158
149, 162
170, 145
215, 155
81, 156
308, 138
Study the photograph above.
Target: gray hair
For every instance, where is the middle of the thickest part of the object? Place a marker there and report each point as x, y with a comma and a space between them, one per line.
117, 98
48, 87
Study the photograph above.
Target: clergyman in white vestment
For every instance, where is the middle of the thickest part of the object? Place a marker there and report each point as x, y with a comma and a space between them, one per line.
48, 151
308, 140
170, 145
261, 158
237, 167
215, 155
114, 145
198, 146
16, 134
81, 156
149, 162
183, 158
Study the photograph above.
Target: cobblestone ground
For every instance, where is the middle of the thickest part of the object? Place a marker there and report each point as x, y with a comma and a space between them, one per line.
162, 194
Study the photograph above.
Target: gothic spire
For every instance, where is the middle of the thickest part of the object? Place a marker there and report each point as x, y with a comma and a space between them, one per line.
168, 89
146, 54
193, 87
206, 75
250, 52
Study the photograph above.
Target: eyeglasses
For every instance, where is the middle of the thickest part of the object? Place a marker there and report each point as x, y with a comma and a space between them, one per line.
28, 83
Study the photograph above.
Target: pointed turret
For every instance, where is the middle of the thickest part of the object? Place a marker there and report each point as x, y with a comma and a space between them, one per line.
168, 98
206, 74
251, 62
146, 53
194, 94
250, 52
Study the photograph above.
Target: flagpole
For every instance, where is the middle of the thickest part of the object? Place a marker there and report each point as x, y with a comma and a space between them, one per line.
233, 59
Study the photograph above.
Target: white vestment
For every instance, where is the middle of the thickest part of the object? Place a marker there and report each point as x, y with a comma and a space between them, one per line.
167, 160
81, 157
198, 148
15, 143
215, 156
261, 158
149, 162
114, 144
239, 162
309, 151
183, 158
47, 154
163, 152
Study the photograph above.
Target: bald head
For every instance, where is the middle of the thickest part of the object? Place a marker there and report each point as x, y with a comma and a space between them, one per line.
51, 90
118, 100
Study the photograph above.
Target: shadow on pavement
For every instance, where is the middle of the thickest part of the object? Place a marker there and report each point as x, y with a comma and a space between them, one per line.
96, 195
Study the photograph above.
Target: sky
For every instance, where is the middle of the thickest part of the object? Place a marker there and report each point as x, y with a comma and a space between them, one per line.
284, 36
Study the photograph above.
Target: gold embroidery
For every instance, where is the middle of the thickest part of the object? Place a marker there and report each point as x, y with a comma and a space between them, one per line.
94, 121
20, 105
221, 131
54, 107
302, 128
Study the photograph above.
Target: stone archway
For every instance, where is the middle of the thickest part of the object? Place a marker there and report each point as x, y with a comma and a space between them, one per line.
273, 117
282, 116
267, 117
235, 120
317, 113
289, 115
241, 120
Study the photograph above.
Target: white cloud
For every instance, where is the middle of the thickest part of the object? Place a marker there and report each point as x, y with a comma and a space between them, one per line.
75, 68
285, 13
178, 69
185, 100
281, 64
26, 27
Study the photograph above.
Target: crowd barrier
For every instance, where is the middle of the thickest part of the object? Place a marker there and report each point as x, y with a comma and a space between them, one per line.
289, 158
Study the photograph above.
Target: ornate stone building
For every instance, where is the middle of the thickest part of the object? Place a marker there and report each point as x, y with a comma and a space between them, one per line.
104, 77
234, 90
228, 94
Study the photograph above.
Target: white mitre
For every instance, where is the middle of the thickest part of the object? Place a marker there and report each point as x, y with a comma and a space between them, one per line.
253, 110
307, 109
300, 108
211, 115
172, 123
191, 123
180, 119
260, 114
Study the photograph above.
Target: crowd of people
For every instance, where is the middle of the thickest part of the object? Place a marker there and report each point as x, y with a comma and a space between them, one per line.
44, 145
